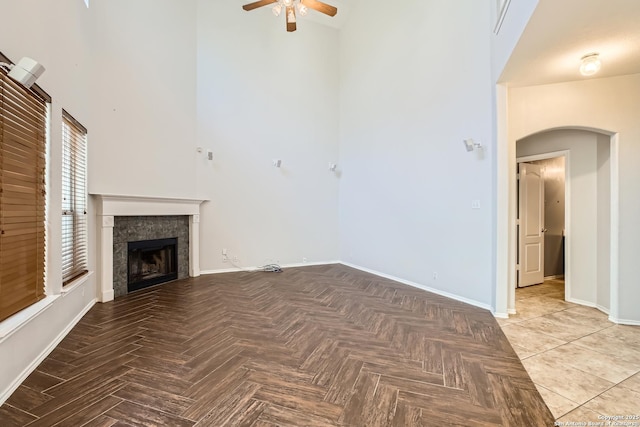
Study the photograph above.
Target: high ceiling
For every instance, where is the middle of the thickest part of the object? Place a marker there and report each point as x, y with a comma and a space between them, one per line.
561, 32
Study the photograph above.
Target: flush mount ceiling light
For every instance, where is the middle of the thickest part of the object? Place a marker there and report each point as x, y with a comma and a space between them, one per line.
590, 64
290, 7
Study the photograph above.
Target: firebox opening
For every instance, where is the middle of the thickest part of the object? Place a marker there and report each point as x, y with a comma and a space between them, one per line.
151, 262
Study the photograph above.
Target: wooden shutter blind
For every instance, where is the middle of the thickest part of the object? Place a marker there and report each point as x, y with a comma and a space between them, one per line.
74, 199
23, 126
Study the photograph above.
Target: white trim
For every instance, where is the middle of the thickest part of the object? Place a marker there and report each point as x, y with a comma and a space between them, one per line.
614, 248
307, 264
14, 323
501, 315
121, 205
589, 304
419, 286
504, 297
34, 364
501, 7
112, 205
256, 268
624, 321
554, 277
581, 302
512, 311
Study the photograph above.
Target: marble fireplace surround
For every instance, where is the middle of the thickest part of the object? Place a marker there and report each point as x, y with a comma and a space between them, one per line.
110, 206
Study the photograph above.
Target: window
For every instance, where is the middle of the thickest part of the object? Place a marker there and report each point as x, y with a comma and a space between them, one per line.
74, 199
23, 130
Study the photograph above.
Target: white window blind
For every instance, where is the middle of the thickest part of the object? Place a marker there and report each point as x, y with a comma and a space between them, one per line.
74, 199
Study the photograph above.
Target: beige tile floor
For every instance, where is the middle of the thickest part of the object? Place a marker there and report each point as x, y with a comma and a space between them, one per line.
584, 366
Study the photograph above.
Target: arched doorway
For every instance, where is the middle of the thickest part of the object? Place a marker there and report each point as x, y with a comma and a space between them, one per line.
587, 231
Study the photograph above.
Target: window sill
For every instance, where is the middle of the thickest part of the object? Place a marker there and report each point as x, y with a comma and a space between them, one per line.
79, 281
14, 323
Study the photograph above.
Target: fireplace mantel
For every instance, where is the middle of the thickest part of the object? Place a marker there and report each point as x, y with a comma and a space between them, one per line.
109, 206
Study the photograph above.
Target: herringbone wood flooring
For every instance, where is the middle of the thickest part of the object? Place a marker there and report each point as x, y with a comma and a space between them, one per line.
314, 346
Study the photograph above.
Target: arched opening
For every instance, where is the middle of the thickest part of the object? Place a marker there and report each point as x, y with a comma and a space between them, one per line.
586, 236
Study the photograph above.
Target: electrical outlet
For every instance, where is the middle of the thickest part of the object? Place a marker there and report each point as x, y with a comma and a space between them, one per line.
224, 258
435, 275
304, 259
236, 259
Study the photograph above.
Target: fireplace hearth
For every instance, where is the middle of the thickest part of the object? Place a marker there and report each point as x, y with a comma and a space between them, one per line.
151, 262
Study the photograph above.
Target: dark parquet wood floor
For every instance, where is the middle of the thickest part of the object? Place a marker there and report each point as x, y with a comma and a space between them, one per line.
314, 346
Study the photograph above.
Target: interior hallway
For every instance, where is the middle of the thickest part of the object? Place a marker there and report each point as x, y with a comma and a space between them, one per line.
583, 365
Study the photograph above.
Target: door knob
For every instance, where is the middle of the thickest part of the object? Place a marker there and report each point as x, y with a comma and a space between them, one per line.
544, 230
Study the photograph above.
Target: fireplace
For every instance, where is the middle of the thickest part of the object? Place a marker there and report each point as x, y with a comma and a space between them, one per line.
123, 219
150, 262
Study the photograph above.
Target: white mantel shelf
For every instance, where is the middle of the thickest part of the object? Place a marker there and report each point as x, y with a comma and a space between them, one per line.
117, 205
112, 205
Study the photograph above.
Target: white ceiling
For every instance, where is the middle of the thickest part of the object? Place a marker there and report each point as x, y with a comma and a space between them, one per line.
560, 32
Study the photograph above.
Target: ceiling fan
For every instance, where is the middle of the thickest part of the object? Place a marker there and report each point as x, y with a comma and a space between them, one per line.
290, 7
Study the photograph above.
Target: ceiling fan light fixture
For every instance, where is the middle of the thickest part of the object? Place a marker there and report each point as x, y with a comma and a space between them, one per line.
302, 9
277, 9
590, 64
291, 15
287, 3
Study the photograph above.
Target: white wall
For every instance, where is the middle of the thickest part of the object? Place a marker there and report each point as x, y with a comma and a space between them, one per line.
412, 87
583, 204
610, 105
502, 45
143, 98
505, 40
58, 38
266, 94
604, 219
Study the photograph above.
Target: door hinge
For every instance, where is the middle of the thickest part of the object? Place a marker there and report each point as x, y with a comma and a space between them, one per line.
518, 221
517, 267
517, 176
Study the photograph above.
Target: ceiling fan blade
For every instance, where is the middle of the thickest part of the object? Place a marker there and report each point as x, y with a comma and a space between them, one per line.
320, 7
291, 18
258, 4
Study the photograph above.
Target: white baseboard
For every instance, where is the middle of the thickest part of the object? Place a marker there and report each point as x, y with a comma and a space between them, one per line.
256, 268
625, 321
419, 286
34, 364
590, 304
107, 296
581, 302
501, 315
554, 277
511, 311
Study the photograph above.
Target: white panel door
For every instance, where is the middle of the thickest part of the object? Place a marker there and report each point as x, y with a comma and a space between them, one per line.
531, 230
